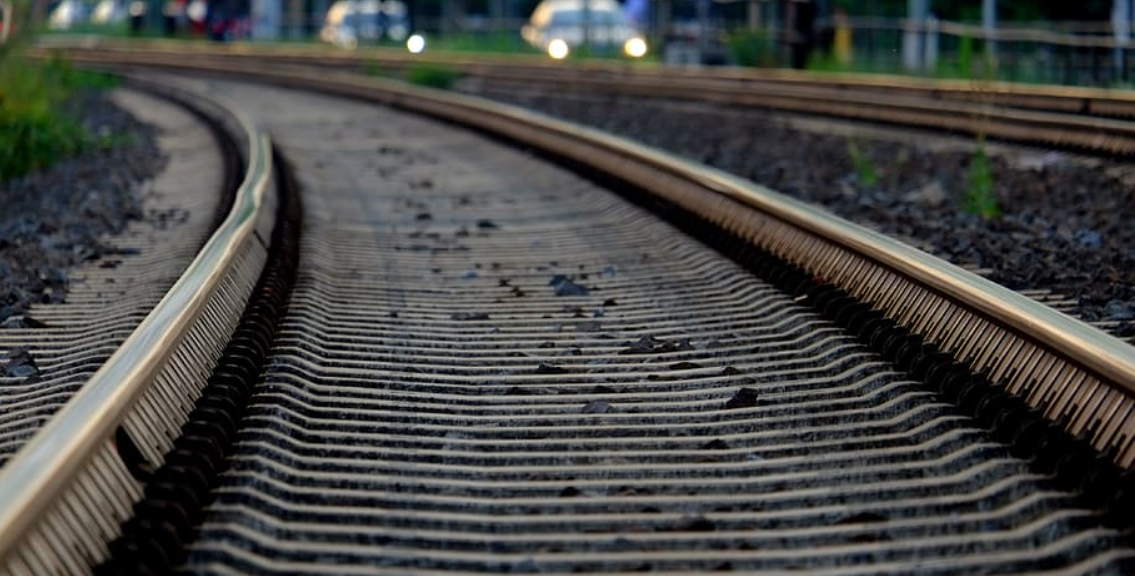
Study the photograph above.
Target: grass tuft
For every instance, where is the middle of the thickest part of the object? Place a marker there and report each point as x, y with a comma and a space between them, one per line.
980, 198
433, 75
36, 126
864, 168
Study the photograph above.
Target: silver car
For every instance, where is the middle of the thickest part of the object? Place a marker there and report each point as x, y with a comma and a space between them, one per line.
558, 28
349, 22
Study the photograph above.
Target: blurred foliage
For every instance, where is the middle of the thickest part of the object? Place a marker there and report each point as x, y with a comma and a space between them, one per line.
433, 75
754, 48
980, 198
865, 170
506, 41
373, 68
38, 123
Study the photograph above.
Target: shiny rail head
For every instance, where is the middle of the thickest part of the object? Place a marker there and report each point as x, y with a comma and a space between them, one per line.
1077, 375
69, 488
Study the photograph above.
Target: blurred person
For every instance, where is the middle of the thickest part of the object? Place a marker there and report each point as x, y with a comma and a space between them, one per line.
842, 37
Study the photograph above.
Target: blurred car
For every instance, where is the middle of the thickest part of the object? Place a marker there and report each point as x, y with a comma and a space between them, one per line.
66, 14
558, 27
110, 12
350, 22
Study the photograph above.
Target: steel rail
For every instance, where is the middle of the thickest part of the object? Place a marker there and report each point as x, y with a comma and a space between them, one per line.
1076, 373
42, 472
973, 111
1052, 98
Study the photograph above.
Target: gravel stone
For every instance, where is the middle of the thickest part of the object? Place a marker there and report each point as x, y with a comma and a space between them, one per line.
565, 287
57, 218
743, 398
18, 363
1066, 223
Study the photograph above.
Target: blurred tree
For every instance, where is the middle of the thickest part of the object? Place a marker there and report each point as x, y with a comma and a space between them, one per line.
16, 17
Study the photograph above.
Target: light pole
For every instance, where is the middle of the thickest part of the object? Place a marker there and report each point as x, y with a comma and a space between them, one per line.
989, 26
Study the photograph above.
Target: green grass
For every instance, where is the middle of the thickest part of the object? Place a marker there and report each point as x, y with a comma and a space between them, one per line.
432, 75
980, 198
36, 126
865, 170
754, 49
507, 42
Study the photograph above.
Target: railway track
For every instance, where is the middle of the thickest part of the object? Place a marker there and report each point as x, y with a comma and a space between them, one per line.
1082, 119
489, 362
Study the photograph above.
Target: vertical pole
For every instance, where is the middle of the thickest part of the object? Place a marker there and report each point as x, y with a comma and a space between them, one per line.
989, 26
703, 30
586, 44
661, 17
912, 45
930, 49
754, 20
496, 16
1121, 26
295, 19
37, 16
773, 25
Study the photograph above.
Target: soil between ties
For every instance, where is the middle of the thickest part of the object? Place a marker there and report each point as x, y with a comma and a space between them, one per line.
1065, 226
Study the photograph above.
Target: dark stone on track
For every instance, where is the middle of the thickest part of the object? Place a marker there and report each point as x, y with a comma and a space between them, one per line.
743, 398
18, 363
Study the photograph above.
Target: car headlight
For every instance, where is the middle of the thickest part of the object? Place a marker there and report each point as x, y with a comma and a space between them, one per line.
416, 44
635, 47
558, 49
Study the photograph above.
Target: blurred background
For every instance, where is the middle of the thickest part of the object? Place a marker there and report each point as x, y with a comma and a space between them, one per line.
1085, 43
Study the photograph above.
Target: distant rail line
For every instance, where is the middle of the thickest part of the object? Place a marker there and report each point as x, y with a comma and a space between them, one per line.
1084, 119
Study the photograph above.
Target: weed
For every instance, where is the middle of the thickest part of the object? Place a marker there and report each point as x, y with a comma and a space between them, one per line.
36, 127
864, 167
980, 199
753, 49
372, 68
433, 75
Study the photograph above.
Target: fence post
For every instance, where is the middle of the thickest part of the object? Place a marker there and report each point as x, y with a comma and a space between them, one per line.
1121, 26
989, 26
914, 27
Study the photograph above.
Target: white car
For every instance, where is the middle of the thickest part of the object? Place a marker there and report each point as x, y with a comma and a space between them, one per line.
66, 14
558, 27
349, 22
109, 12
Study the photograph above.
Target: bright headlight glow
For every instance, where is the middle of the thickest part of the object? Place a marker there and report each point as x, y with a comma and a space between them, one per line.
558, 49
416, 43
635, 47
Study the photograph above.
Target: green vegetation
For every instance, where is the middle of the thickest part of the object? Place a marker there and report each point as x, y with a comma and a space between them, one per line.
754, 49
980, 198
864, 168
506, 42
37, 124
372, 68
433, 75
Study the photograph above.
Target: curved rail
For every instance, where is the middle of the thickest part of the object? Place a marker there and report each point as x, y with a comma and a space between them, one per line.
46, 472
1046, 115
1076, 374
